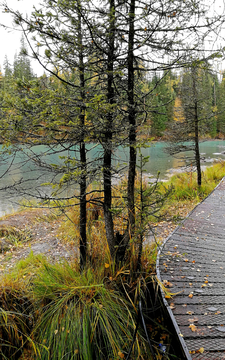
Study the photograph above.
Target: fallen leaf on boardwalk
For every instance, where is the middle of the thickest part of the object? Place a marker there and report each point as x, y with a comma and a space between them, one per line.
190, 296
190, 284
218, 312
184, 305
172, 306
167, 283
203, 285
190, 312
201, 350
181, 335
209, 327
193, 262
195, 319
206, 282
186, 260
192, 327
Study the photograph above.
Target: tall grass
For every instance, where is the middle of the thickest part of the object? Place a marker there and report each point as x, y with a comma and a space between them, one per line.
186, 193
185, 184
60, 313
15, 318
214, 173
82, 317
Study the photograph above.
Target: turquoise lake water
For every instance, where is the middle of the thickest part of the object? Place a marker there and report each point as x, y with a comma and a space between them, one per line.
32, 175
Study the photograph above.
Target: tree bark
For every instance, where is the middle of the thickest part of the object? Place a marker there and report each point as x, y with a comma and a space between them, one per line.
107, 160
132, 123
196, 129
83, 162
123, 241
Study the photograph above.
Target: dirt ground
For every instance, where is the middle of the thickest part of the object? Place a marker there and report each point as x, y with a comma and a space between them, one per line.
38, 230
32, 230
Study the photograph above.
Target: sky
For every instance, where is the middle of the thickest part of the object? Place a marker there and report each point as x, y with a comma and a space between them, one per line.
10, 38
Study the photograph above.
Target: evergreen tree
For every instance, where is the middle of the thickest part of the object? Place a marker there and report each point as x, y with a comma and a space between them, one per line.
8, 73
194, 116
219, 103
161, 102
22, 65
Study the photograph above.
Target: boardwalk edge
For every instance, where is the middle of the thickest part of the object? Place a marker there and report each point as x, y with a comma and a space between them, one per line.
176, 327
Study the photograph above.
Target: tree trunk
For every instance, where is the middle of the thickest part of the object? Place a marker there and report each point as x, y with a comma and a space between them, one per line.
107, 160
83, 163
196, 129
123, 241
132, 123
83, 207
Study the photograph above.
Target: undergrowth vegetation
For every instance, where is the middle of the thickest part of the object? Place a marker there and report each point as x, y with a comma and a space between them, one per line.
56, 312
186, 193
52, 311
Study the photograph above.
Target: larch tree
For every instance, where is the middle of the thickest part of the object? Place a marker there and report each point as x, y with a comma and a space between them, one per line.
195, 115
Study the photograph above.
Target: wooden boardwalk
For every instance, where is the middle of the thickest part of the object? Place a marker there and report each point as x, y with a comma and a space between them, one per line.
192, 262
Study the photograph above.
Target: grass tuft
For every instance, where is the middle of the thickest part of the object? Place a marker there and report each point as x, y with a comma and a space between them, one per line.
82, 317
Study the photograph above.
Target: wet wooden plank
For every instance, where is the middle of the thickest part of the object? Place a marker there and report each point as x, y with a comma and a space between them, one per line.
191, 264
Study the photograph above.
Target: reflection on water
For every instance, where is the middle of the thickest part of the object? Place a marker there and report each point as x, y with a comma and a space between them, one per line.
160, 161
33, 176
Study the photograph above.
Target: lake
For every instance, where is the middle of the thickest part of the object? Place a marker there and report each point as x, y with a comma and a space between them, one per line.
32, 175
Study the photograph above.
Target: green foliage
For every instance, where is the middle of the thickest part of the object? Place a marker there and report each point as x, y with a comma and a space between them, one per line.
220, 107
161, 102
202, 77
22, 67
